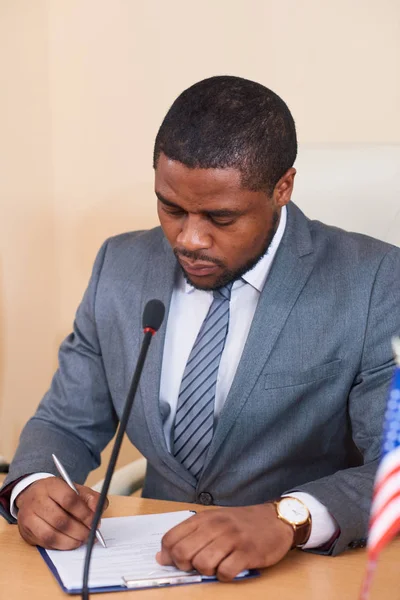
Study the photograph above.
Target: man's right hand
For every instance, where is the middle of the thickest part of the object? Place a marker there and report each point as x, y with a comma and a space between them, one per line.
52, 515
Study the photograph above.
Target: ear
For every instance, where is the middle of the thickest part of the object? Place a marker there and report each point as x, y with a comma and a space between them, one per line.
283, 190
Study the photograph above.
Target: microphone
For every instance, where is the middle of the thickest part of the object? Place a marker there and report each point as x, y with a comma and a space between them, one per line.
153, 316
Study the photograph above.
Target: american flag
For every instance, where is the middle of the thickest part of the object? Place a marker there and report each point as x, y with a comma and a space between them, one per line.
385, 510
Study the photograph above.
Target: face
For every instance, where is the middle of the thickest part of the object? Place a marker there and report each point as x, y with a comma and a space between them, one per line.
217, 229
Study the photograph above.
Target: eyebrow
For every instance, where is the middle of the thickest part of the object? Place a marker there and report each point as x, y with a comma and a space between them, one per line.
221, 212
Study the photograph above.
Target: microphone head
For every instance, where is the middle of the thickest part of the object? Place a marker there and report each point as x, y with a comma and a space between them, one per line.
153, 314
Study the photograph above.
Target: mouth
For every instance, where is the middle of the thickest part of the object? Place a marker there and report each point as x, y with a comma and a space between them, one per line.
198, 268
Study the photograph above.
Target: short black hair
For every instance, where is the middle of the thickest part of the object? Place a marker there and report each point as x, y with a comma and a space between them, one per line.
228, 121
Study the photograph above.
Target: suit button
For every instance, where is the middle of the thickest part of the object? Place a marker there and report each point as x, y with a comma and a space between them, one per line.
206, 498
361, 543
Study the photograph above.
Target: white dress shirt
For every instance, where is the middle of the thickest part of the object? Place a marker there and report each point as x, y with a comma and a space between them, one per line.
187, 312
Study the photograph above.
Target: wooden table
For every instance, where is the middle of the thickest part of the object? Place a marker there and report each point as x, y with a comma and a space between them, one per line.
301, 576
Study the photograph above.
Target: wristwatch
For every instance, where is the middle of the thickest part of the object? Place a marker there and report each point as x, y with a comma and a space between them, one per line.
295, 513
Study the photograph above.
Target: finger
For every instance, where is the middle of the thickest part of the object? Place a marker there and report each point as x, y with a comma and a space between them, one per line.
172, 537
182, 553
179, 531
208, 559
186, 548
38, 532
232, 565
28, 528
179, 555
64, 522
72, 503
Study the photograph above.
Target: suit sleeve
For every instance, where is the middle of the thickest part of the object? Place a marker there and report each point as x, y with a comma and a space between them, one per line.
76, 418
347, 494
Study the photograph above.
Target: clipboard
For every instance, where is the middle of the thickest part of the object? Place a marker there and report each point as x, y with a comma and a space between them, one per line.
127, 578
130, 585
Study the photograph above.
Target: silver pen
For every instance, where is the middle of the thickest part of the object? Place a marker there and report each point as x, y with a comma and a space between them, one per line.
68, 480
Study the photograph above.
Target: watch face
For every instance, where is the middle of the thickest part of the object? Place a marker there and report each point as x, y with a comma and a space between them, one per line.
293, 510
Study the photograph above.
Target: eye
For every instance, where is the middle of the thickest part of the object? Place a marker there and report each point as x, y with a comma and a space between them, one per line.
174, 212
222, 221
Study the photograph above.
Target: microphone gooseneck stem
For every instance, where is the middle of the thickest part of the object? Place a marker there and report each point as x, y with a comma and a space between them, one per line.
114, 456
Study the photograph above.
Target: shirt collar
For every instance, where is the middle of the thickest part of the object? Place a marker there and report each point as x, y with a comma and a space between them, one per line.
257, 276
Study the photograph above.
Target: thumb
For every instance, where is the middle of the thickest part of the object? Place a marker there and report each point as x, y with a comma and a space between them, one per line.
91, 498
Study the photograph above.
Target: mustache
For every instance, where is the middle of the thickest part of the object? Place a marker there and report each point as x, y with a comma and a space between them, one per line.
197, 256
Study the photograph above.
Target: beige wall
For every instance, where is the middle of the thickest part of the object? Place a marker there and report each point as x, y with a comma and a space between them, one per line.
84, 86
28, 268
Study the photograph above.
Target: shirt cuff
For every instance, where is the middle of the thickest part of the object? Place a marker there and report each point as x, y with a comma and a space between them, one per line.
21, 485
323, 525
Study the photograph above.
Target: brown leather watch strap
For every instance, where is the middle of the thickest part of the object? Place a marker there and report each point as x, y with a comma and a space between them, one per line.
301, 534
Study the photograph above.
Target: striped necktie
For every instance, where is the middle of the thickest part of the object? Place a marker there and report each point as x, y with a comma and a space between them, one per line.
194, 420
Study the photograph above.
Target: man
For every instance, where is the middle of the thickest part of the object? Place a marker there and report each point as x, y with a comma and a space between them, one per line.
264, 390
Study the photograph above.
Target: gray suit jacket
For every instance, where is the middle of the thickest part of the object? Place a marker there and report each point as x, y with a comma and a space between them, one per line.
306, 406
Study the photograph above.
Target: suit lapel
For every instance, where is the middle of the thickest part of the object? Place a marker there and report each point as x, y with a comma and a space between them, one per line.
292, 266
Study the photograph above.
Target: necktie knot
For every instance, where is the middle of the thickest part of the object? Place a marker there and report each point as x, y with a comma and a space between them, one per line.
224, 292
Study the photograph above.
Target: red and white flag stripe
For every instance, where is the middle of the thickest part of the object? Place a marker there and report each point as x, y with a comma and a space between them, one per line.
385, 512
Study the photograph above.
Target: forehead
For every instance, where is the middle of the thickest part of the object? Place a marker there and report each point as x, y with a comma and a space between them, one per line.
174, 180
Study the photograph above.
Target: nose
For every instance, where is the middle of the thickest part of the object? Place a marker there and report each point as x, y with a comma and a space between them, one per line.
193, 235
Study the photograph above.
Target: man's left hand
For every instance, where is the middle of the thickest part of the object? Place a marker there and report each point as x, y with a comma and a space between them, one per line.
224, 542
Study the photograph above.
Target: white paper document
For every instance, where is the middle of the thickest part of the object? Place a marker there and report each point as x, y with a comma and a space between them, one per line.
132, 544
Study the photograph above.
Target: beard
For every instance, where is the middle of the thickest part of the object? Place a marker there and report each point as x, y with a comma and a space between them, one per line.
229, 275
